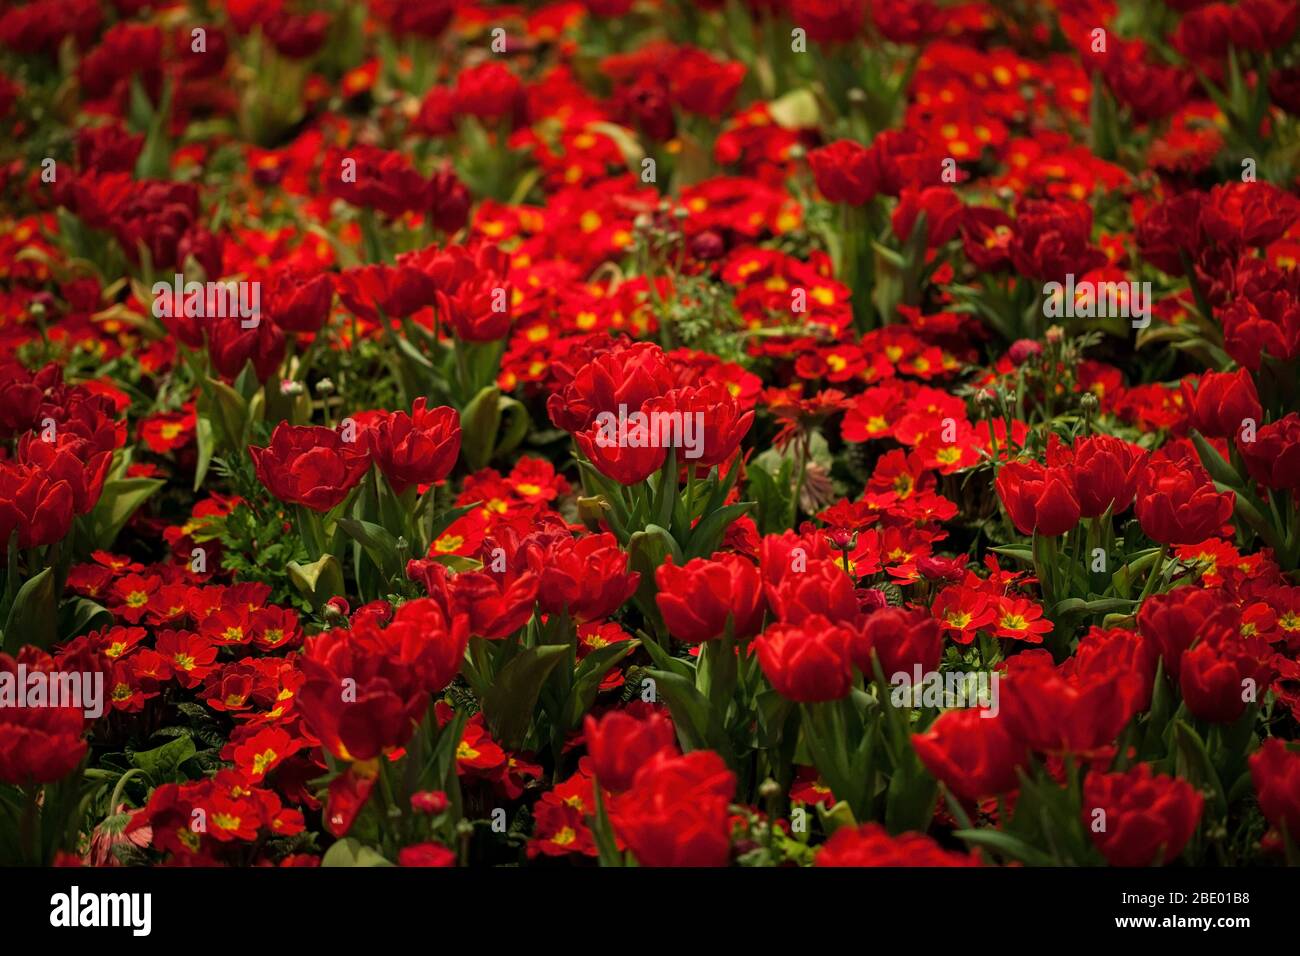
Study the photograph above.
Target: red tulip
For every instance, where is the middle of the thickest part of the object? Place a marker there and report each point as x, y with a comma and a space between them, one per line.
1173, 620
488, 91
676, 813
1275, 771
623, 741
586, 576
69, 459
1106, 473
367, 688
871, 845
39, 507
845, 172
1139, 818
697, 598
1051, 710
1273, 458
624, 375
807, 662
1053, 239
310, 465
1222, 402
297, 301
1039, 500
416, 449
902, 639
614, 456
374, 178
822, 588
830, 21
38, 744
1221, 672
971, 753
1178, 504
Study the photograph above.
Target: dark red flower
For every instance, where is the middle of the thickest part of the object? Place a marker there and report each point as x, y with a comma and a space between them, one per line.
901, 639
971, 753
1053, 239
1038, 500
297, 301
367, 688
1140, 818
697, 598
1178, 503
586, 576
1222, 672
38, 507
703, 85
310, 465
676, 812
374, 178
415, 449
1273, 458
830, 21
807, 662
1106, 472
871, 845
624, 741
38, 744
845, 172
1222, 402
488, 91
1174, 619
1275, 771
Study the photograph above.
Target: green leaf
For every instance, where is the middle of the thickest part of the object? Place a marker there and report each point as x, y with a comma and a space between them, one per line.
698, 726
479, 422
909, 802
624, 139
1199, 767
1012, 551
378, 543
119, 501
840, 815
229, 414
590, 672
518, 424
1214, 463
205, 436
1006, 845
795, 110
162, 764
81, 616
318, 581
708, 533
509, 703
33, 619
665, 661
352, 852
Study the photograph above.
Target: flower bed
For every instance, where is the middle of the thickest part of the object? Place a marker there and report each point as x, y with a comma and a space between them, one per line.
608, 433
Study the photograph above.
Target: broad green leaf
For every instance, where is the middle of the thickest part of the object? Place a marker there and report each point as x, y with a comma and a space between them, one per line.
795, 110
162, 764
81, 616
590, 672
120, 500
698, 726
352, 852
318, 581
378, 543
509, 703
33, 619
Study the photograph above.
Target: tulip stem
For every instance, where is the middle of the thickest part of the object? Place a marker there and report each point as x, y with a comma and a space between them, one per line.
1157, 570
